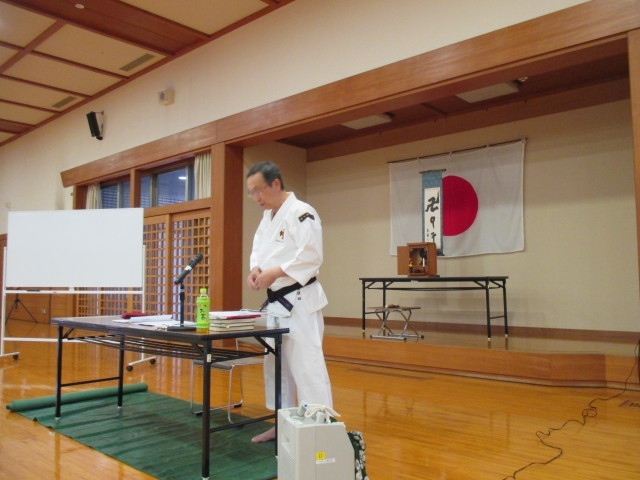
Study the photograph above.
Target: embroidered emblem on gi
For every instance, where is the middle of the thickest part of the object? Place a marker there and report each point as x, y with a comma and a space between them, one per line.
304, 216
281, 234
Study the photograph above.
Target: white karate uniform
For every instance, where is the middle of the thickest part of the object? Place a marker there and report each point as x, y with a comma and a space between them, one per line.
292, 240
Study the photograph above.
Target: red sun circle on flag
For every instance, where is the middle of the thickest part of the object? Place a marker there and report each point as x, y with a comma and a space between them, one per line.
460, 205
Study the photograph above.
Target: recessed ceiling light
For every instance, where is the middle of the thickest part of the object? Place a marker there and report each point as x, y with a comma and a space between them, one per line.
79, 6
367, 122
486, 93
182, 178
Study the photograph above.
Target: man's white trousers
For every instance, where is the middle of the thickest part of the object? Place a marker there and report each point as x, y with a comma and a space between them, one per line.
302, 361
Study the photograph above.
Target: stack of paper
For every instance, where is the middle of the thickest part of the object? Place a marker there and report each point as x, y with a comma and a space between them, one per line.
232, 320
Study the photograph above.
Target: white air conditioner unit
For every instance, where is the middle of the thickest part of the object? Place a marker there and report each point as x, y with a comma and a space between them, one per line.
313, 451
165, 97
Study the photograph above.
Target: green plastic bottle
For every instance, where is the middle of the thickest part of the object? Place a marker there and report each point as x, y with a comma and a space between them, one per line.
202, 316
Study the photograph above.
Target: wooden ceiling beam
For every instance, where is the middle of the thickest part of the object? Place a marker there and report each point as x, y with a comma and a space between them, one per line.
7, 126
29, 48
11, 46
18, 104
433, 109
79, 65
48, 87
120, 21
509, 111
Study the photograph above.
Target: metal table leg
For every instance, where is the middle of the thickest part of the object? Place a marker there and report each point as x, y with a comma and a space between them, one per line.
206, 412
59, 374
504, 306
486, 293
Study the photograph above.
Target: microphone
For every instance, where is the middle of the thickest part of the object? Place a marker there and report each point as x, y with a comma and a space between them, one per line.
194, 261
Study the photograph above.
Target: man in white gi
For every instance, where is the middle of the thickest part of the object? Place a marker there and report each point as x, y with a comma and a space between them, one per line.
286, 256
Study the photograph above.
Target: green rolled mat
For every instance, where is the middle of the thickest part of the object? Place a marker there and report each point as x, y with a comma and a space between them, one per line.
50, 400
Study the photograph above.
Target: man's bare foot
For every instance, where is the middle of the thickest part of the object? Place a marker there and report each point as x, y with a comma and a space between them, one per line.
266, 436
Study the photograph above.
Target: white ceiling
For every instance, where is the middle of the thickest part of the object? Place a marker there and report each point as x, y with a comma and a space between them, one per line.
55, 55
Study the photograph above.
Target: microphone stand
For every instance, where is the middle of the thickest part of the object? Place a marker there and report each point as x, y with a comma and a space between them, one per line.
179, 280
181, 327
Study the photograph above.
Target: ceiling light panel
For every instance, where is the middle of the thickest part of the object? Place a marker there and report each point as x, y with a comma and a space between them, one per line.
98, 51
29, 94
16, 113
367, 122
486, 93
19, 26
60, 75
207, 16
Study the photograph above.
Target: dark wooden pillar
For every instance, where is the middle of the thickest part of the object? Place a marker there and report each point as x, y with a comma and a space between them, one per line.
80, 197
225, 243
135, 178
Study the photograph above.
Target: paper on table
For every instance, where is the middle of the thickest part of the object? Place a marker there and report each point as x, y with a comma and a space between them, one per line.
169, 323
233, 314
150, 319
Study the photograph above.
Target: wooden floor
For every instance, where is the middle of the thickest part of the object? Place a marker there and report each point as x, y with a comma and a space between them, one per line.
416, 424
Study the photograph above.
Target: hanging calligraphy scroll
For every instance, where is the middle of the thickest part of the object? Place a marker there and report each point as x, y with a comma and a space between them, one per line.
432, 208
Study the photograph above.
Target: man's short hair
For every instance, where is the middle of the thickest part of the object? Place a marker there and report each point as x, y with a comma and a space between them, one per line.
269, 171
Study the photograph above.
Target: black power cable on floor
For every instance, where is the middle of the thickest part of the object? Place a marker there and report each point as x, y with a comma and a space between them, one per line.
590, 411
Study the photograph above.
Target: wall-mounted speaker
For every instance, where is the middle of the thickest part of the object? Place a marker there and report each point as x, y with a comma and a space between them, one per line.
165, 97
94, 126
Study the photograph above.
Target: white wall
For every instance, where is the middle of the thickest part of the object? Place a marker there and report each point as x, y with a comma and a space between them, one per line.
579, 268
304, 45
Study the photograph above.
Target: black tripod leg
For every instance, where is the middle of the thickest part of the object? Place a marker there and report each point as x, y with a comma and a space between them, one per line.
15, 304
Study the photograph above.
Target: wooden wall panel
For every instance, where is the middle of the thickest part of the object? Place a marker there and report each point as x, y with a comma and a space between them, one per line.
543, 368
29, 307
62, 306
634, 79
172, 146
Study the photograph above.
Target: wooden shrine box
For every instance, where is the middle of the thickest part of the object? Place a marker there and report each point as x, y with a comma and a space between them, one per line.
418, 260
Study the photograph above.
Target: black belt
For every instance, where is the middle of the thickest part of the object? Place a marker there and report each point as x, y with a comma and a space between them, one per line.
278, 295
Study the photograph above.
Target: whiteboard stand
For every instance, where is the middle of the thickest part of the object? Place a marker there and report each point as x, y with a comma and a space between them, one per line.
4, 311
71, 290
152, 359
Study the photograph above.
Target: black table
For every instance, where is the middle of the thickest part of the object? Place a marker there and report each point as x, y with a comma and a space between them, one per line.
182, 344
438, 284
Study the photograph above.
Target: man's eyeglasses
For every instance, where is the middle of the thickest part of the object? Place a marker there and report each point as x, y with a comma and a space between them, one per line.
257, 193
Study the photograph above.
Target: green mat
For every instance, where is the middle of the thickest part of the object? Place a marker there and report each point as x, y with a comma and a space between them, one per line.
66, 398
159, 436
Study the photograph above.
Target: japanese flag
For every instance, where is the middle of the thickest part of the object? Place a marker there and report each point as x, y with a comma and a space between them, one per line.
482, 201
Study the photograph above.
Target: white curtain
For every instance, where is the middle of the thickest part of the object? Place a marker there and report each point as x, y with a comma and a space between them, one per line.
202, 173
94, 196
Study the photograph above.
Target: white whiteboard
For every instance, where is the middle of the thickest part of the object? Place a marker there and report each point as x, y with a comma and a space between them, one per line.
75, 248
